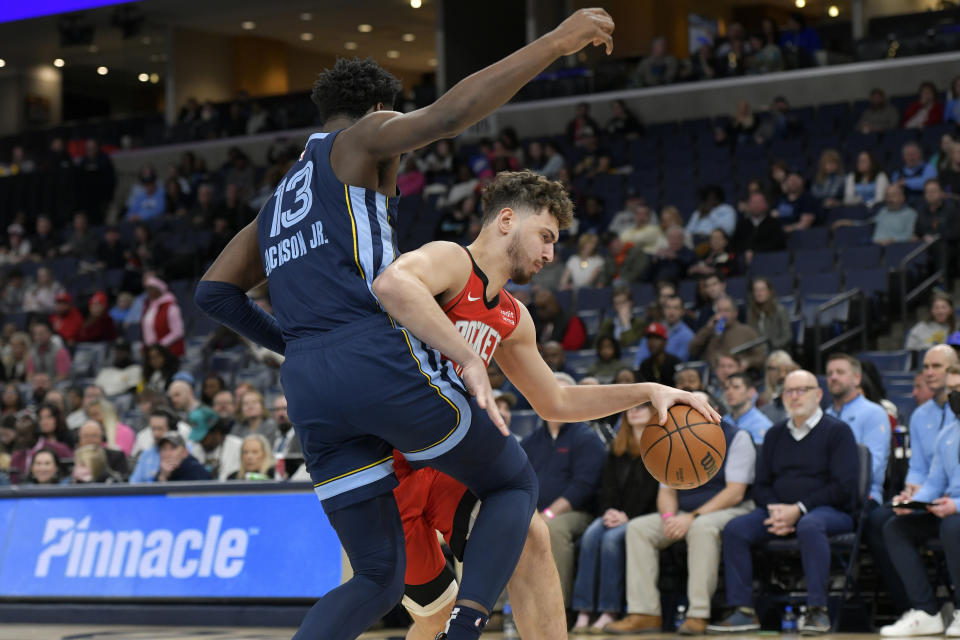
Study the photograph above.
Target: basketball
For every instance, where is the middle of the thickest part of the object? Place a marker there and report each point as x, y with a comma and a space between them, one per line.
684, 453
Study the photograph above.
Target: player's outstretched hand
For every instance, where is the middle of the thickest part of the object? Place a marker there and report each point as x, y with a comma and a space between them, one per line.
664, 397
475, 377
586, 26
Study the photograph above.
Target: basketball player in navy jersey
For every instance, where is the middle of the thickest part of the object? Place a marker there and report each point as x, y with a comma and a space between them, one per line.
358, 383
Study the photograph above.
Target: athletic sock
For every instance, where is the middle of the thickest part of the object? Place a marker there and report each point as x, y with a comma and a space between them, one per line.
465, 623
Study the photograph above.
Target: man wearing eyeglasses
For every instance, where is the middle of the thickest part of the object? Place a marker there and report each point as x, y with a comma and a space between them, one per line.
905, 533
806, 474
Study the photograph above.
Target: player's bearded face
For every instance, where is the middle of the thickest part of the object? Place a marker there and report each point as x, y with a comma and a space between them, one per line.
521, 263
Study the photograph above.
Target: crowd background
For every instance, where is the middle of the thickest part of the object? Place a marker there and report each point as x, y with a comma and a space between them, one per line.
697, 252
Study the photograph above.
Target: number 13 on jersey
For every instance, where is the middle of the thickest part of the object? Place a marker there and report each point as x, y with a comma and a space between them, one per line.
299, 182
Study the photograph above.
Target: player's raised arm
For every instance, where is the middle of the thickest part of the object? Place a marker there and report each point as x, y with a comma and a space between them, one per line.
523, 365
408, 291
388, 134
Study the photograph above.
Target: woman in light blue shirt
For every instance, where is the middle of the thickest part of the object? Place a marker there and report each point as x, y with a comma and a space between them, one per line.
867, 184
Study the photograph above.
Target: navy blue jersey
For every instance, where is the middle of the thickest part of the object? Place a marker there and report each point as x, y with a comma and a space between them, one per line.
322, 243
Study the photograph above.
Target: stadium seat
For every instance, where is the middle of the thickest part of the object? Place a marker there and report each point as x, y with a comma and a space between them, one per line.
813, 261
782, 283
523, 423
594, 298
737, 288
896, 252
768, 264
853, 236
809, 239
579, 361
888, 360
870, 281
818, 283
591, 319
859, 257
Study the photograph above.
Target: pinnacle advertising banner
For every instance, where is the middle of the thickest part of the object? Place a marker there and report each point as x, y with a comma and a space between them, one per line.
244, 545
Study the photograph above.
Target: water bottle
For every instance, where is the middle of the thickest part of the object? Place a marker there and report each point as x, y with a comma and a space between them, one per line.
788, 623
803, 616
509, 628
721, 325
681, 616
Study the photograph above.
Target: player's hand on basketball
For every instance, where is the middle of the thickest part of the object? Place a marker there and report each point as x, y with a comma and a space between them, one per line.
943, 507
475, 378
663, 397
586, 26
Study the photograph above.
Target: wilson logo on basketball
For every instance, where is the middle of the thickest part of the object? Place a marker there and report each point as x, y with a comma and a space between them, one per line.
709, 464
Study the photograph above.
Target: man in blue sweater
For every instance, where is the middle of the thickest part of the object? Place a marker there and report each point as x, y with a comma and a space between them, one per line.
806, 474
926, 423
911, 528
568, 459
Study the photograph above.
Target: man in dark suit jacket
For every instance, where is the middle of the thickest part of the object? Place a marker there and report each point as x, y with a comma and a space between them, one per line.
806, 479
758, 232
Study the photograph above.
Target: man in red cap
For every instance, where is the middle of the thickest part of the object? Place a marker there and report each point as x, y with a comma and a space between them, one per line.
66, 320
99, 326
660, 366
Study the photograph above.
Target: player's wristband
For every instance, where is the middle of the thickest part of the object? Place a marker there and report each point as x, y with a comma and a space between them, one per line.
549, 514
668, 514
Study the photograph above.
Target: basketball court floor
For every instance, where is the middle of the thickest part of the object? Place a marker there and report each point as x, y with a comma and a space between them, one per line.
106, 632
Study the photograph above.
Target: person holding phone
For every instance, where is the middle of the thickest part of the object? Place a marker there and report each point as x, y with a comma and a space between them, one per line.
930, 512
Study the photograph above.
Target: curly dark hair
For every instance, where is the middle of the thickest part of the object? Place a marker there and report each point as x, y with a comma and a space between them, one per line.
352, 88
517, 189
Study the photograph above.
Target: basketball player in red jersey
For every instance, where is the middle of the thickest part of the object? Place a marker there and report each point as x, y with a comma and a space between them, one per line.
522, 215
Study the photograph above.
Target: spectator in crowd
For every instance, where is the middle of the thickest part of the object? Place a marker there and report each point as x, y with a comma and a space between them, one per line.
257, 462
11, 403
911, 529
641, 231
439, 161
880, 115
119, 435
711, 213
90, 465
584, 267
660, 365
726, 365
218, 450
740, 394
98, 325
829, 183
160, 422
925, 110
758, 231
149, 202
724, 333
162, 321
66, 320
96, 169
914, 173
712, 287
91, 434
896, 220
41, 297
927, 423
287, 444
868, 420
120, 312
720, 258
41, 383
44, 468
554, 161
608, 359
14, 293
234, 208
18, 247
48, 355
740, 128
623, 123
777, 123
800, 42
679, 334
182, 398
43, 243
673, 261
568, 460
225, 407
921, 392
950, 176
697, 516
938, 215
804, 485
778, 365
254, 418
796, 209
553, 324
14, 356
867, 184
627, 491
83, 242
53, 429
951, 112
941, 159
766, 315
111, 253
31, 438
942, 323
582, 126
657, 68
176, 463
766, 57
160, 367
213, 383
622, 324
688, 379
733, 51
670, 217
703, 63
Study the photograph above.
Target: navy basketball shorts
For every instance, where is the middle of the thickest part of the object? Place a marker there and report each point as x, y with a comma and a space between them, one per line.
357, 392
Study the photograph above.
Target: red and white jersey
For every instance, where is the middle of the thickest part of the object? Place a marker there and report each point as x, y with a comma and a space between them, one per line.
483, 323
